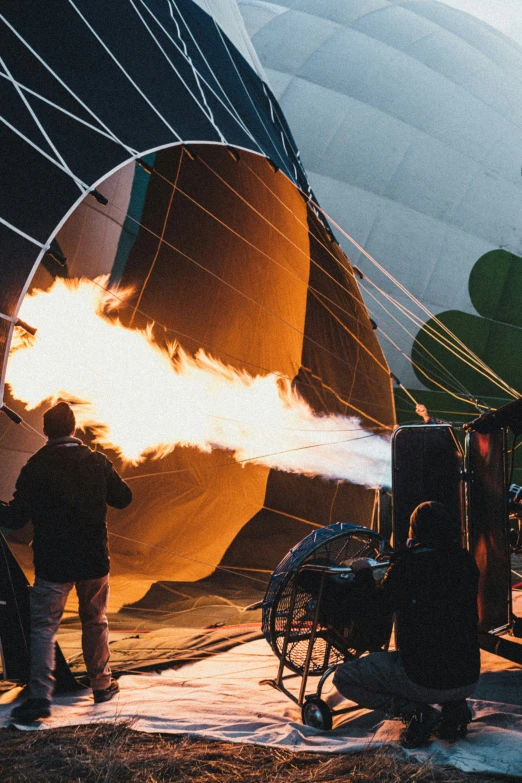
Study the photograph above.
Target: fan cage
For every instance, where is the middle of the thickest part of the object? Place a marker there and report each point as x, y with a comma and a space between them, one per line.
334, 544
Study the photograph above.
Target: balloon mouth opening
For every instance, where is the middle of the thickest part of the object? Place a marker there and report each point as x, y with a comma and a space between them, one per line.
208, 263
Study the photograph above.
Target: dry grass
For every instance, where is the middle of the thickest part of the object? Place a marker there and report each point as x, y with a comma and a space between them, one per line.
114, 753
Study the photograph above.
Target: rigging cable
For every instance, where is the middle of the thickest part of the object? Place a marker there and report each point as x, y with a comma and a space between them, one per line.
499, 381
241, 293
258, 458
306, 195
419, 303
464, 349
320, 294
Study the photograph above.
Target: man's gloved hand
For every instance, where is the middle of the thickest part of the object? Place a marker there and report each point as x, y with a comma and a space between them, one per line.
360, 564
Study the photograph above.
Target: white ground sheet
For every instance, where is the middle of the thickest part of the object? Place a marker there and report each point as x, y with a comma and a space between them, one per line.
221, 698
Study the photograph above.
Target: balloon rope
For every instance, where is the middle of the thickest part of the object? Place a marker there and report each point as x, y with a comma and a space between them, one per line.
299, 249
416, 301
206, 110
499, 382
191, 559
247, 93
241, 293
442, 340
431, 358
125, 73
82, 186
493, 377
226, 97
292, 516
250, 244
71, 92
158, 248
232, 462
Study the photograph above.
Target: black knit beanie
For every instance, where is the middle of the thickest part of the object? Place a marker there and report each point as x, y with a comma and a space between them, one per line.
432, 523
59, 421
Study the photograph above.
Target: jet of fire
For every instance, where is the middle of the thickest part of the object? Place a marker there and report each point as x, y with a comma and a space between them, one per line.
144, 400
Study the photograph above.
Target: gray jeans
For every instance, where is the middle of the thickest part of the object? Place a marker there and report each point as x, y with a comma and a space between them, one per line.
47, 604
378, 681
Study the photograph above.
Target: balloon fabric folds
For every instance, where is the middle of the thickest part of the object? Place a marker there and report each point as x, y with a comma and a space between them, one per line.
144, 155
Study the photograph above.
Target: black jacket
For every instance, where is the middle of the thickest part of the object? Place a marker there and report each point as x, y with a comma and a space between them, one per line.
64, 490
434, 593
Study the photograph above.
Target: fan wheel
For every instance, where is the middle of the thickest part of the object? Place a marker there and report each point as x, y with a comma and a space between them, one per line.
316, 714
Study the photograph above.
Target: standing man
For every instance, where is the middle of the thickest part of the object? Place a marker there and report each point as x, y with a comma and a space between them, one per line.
64, 489
432, 586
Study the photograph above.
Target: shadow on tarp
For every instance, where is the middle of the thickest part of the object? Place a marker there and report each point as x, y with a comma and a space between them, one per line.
216, 600
504, 687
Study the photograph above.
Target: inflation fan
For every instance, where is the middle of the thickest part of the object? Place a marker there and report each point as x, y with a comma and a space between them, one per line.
310, 613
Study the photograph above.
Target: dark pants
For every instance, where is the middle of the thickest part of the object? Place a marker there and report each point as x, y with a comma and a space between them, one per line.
378, 681
48, 601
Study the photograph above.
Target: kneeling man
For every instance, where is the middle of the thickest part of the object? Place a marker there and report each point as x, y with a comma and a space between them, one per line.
432, 587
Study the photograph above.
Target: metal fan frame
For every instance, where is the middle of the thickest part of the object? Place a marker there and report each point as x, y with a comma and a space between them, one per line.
287, 571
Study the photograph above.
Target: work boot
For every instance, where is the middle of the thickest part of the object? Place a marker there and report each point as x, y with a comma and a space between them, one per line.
401, 708
31, 710
455, 718
106, 694
420, 727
